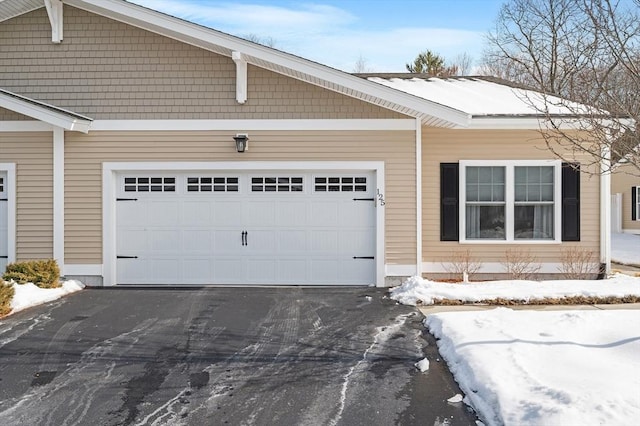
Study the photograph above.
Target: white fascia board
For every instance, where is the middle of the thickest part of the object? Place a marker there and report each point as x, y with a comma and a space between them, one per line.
25, 126
253, 125
54, 118
216, 41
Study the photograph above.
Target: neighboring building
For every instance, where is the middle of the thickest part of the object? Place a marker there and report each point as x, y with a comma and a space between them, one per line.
118, 158
625, 191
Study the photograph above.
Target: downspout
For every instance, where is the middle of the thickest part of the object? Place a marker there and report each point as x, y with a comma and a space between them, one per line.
418, 197
58, 196
605, 211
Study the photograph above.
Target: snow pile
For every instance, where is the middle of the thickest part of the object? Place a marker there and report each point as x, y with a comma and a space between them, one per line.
552, 368
418, 290
28, 295
625, 249
422, 365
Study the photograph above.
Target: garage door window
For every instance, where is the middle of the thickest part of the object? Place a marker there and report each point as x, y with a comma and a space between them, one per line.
340, 184
212, 184
150, 184
276, 184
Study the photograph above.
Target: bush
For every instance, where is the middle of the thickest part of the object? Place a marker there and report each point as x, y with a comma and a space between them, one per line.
6, 294
43, 273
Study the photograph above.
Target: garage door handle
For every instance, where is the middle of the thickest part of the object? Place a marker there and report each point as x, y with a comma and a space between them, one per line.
363, 257
126, 199
4, 199
126, 257
244, 237
364, 199
4, 257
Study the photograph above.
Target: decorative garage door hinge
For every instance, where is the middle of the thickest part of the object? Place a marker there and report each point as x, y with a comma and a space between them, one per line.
126, 199
126, 257
364, 257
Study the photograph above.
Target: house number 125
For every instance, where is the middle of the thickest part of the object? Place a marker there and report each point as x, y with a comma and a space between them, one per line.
380, 197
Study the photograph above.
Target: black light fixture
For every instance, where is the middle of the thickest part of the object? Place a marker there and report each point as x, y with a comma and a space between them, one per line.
242, 142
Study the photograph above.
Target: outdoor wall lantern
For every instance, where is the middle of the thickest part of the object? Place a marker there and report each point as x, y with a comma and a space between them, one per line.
242, 142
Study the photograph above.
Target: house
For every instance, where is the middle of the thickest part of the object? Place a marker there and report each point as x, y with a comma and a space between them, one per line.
121, 131
625, 193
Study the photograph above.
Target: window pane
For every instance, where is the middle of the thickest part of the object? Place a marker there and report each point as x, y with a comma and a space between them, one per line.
546, 174
484, 193
546, 193
498, 174
521, 192
520, 175
485, 222
472, 174
533, 193
533, 222
485, 174
472, 192
498, 192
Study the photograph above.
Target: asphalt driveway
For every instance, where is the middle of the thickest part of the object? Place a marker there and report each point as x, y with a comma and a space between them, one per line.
287, 356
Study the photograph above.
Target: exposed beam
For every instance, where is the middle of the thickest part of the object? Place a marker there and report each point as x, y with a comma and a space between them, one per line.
54, 10
241, 77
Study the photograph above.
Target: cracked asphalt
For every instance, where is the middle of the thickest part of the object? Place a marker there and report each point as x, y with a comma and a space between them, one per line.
216, 356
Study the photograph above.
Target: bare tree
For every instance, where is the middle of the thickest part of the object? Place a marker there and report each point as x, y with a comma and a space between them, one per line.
463, 63
583, 56
265, 41
362, 65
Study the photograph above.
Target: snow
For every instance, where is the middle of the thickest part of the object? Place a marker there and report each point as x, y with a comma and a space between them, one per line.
455, 399
417, 290
530, 367
423, 365
29, 295
625, 249
544, 368
478, 97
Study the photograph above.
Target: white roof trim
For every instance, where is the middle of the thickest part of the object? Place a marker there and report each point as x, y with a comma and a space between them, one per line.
431, 113
44, 112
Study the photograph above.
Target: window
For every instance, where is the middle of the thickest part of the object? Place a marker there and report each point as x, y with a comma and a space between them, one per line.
485, 203
510, 200
340, 184
279, 184
149, 184
209, 184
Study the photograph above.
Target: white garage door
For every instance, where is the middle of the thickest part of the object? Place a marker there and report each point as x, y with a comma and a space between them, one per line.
190, 228
4, 221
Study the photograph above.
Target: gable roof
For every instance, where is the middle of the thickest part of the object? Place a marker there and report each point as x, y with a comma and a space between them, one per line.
485, 99
50, 114
430, 113
470, 102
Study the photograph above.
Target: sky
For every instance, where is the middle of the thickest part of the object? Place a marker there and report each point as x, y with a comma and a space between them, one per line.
383, 34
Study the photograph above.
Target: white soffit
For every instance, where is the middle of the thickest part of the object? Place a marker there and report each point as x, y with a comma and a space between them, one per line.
12, 8
431, 113
44, 112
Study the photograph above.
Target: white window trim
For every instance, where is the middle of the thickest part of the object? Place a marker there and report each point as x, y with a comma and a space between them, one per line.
110, 187
509, 199
10, 189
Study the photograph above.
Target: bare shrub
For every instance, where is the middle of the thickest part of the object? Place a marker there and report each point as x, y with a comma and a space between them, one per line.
577, 263
462, 265
520, 264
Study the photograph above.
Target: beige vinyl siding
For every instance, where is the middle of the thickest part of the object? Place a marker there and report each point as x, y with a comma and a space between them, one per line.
85, 154
621, 183
450, 146
108, 70
33, 155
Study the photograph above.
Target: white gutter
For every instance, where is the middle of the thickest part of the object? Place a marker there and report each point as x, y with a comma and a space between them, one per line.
418, 197
605, 210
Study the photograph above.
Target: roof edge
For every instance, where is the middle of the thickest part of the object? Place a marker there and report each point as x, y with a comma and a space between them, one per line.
41, 111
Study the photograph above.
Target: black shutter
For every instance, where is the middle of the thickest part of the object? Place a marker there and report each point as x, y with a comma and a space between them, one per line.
570, 202
634, 202
449, 201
